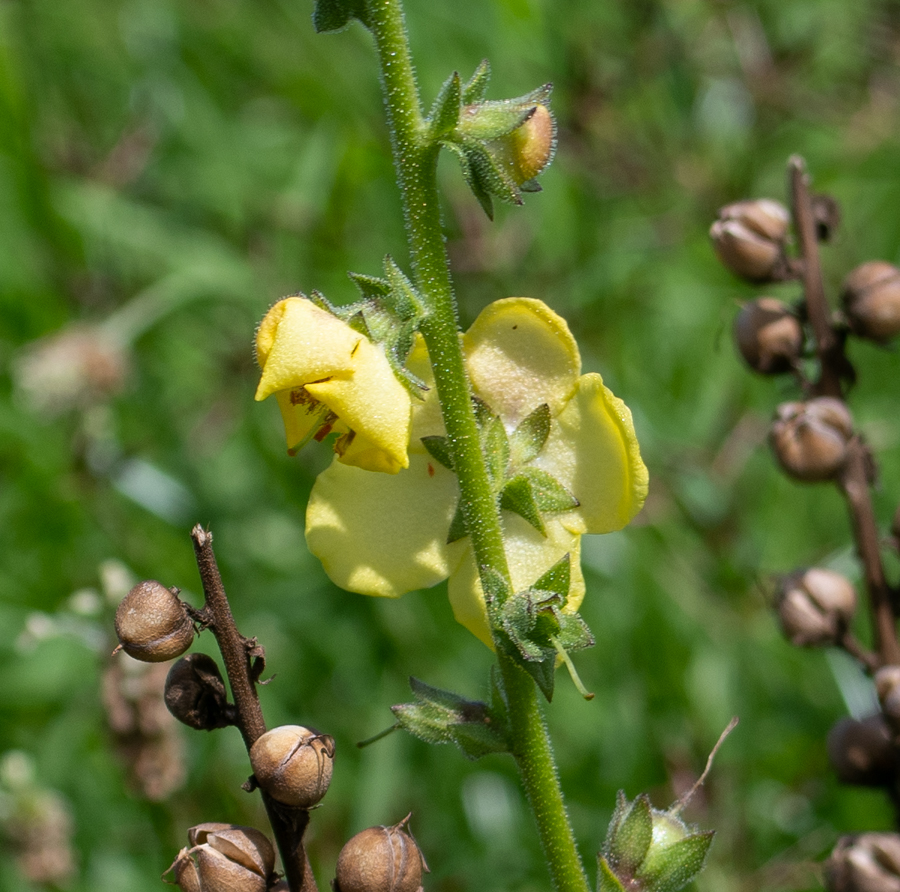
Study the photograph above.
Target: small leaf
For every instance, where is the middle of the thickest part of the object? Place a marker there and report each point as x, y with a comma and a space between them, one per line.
630, 843
517, 496
439, 449
445, 112
677, 864
549, 494
370, 286
558, 578
476, 86
457, 529
529, 437
607, 881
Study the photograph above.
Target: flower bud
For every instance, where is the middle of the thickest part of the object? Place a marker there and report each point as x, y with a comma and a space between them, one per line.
769, 335
869, 862
871, 299
749, 238
810, 439
531, 145
293, 764
862, 752
380, 859
887, 686
815, 606
152, 623
224, 858
195, 693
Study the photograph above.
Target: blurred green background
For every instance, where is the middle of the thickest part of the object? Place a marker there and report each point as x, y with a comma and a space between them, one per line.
169, 169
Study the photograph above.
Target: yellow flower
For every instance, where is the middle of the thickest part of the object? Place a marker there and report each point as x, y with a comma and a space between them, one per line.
328, 378
388, 535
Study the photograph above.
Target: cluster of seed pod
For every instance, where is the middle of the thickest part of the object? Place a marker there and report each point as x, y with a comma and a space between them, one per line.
292, 764
814, 440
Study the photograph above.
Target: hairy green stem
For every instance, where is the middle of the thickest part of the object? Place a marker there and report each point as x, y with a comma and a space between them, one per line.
415, 158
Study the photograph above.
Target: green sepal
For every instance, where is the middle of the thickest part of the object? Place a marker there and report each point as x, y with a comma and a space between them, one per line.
607, 881
404, 299
438, 448
479, 190
627, 845
490, 174
332, 15
370, 286
492, 120
573, 633
457, 529
444, 116
529, 438
475, 88
496, 594
558, 578
549, 494
518, 496
495, 444
531, 185
519, 620
671, 868
440, 716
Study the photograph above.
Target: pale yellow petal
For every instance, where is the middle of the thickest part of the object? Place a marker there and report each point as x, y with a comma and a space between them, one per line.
530, 555
426, 414
297, 342
380, 534
520, 354
593, 451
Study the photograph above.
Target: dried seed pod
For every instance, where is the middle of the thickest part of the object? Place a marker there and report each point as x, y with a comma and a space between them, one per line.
869, 862
749, 238
224, 858
195, 693
887, 686
769, 335
815, 606
380, 859
152, 623
871, 299
862, 752
810, 439
293, 764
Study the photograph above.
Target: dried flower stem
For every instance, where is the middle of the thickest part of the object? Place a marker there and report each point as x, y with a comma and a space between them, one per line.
288, 824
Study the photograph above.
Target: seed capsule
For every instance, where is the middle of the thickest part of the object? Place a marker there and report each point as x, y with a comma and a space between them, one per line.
815, 606
810, 439
195, 693
152, 623
869, 862
749, 238
871, 299
887, 686
380, 859
224, 858
293, 764
769, 335
862, 753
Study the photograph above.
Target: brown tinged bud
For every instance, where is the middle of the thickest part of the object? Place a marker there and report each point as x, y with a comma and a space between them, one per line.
810, 439
224, 858
769, 335
869, 862
871, 299
380, 859
293, 764
532, 144
153, 624
887, 686
815, 606
862, 752
749, 238
195, 693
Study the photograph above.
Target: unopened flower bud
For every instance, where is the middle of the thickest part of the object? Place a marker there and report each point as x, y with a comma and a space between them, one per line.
152, 623
749, 238
810, 439
195, 693
380, 859
815, 606
224, 858
531, 146
871, 299
869, 862
887, 686
769, 335
862, 752
293, 764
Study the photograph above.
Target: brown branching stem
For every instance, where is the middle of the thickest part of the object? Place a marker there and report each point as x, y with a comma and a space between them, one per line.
288, 824
855, 478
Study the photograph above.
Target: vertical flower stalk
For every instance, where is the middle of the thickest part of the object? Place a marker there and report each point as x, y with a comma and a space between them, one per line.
415, 157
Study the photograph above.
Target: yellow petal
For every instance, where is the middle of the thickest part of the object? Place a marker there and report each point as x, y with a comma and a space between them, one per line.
383, 535
530, 555
593, 451
426, 414
520, 354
